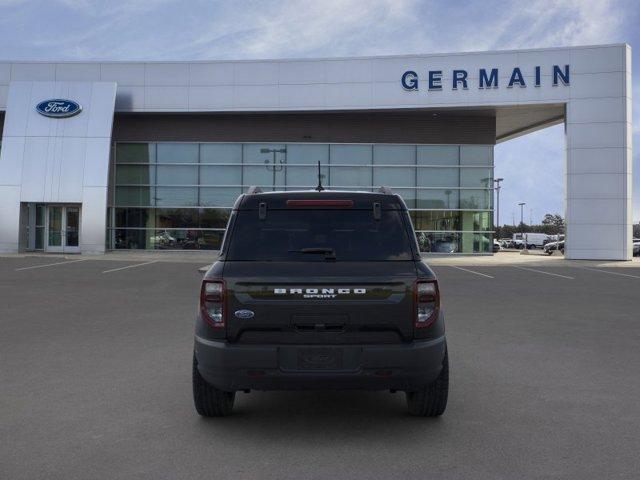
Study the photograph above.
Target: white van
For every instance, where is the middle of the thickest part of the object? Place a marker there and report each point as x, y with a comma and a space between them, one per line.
532, 240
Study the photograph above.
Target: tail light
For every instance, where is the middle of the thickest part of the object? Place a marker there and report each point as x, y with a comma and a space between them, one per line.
212, 302
320, 203
427, 302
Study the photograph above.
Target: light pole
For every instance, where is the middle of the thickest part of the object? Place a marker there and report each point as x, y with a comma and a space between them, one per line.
497, 182
524, 240
275, 167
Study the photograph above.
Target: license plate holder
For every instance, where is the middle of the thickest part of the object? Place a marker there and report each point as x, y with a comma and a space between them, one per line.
320, 358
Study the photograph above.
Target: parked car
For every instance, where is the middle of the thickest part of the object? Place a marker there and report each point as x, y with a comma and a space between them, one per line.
506, 243
320, 290
551, 247
554, 238
533, 240
636, 247
496, 246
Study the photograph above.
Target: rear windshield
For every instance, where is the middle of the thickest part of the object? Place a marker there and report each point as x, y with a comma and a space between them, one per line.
320, 235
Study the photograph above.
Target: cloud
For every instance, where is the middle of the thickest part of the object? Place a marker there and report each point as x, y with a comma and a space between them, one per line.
551, 23
161, 29
336, 24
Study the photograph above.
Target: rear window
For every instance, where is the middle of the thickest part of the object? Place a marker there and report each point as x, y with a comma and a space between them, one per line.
320, 235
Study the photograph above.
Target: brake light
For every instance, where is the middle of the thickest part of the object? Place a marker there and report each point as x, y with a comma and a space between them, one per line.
427, 302
212, 302
320, 203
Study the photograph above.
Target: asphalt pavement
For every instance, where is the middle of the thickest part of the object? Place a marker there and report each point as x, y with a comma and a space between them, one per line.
95, 365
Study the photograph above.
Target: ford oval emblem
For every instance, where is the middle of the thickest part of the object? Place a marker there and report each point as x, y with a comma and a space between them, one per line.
58, 108
244, 314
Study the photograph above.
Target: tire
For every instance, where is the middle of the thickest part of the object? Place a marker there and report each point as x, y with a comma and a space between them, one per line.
208, 400
432, 401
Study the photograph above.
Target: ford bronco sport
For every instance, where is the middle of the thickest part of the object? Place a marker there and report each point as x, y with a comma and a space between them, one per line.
320, 290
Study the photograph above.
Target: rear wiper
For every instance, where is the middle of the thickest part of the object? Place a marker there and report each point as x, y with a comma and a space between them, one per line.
329, 253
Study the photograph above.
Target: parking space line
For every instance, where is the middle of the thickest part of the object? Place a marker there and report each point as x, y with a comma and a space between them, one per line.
50, 264
130, 266
545, 273
470, 271
611, 273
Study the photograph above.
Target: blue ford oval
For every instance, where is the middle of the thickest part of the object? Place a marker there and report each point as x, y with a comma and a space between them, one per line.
58, 108
244, 314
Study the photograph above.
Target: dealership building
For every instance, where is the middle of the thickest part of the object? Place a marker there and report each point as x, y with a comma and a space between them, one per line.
98, 156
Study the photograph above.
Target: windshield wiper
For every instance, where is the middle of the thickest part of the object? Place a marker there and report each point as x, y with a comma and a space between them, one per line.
329, 253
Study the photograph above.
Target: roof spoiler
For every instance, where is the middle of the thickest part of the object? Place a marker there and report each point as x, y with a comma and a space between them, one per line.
385, 190
254, 189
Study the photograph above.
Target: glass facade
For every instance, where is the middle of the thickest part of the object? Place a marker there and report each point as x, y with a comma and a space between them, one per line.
168, 195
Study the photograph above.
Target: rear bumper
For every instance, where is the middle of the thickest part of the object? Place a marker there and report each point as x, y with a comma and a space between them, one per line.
233, 367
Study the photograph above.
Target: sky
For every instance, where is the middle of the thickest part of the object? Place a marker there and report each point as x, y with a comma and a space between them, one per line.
532, 166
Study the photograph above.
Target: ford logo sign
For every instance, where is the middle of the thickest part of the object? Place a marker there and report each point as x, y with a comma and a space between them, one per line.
58, 108
244, 314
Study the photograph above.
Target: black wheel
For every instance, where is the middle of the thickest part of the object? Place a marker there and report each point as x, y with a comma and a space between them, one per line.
209, 401
432, 401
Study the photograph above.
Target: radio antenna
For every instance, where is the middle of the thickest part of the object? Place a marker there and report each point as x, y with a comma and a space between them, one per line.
319, 187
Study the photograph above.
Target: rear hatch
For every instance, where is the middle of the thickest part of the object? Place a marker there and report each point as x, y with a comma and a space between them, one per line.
320, 268
319, 303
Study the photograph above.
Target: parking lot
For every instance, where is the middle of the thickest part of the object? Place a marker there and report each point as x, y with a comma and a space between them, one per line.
95, 365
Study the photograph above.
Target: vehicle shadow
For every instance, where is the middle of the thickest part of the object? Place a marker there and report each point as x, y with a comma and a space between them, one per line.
329, 415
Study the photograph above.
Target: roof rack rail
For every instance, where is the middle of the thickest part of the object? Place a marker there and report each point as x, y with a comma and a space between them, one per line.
385, 190
254, 189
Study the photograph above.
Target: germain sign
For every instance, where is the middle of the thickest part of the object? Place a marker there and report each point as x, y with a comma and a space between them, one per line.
487, 78
58, 108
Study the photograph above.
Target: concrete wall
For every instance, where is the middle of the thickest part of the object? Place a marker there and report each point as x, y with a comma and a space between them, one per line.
56, 160
335, 84
599, 159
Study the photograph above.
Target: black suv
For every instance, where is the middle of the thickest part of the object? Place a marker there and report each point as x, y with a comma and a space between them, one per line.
320, 290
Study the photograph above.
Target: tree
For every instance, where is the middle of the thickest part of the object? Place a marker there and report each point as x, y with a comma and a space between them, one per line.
552, 224
554, 220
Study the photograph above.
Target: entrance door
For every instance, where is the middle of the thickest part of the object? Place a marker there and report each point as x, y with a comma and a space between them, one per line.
63, 229
72, 229
55, 232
